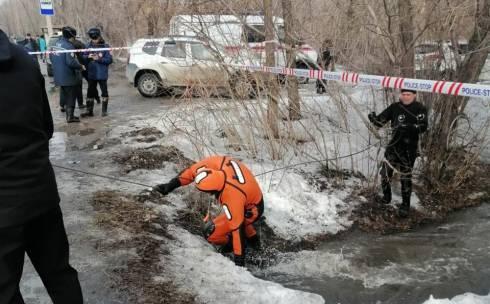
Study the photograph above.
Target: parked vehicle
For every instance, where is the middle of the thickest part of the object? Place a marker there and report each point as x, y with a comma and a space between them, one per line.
441, 57
242, 38
171, 64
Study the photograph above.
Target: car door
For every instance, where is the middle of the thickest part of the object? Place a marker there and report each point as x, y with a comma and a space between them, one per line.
206, 69
174, 66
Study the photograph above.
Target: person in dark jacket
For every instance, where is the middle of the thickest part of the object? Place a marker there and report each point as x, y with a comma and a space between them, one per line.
98, 71
408, 119
30, 216
67, 73
30, 45
325, 60
78, 45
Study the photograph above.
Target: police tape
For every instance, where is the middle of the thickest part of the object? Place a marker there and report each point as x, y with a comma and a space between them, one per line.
81, 50
420, 85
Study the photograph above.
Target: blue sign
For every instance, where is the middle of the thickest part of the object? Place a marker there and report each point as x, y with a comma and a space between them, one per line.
47, 7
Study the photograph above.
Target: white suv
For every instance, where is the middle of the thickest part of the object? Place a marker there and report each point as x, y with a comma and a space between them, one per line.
165, 65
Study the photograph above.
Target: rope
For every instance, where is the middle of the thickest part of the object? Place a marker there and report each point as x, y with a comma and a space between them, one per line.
318, 161
263, 173
103, 176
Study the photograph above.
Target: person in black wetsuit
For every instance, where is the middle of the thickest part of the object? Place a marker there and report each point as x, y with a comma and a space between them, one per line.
408, 118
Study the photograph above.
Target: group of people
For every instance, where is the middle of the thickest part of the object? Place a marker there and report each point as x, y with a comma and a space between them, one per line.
33, 45
30, 217
70, 67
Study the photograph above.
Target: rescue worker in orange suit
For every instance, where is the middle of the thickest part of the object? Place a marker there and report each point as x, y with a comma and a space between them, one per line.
239, 194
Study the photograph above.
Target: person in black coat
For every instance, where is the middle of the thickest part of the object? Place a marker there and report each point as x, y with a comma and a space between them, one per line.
78, 45
30, 216
325, 61
408, 119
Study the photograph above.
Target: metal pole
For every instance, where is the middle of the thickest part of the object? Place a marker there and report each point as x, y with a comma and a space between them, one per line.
49, 25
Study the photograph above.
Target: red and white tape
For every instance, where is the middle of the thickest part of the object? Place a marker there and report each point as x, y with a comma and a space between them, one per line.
81, 50
421, 85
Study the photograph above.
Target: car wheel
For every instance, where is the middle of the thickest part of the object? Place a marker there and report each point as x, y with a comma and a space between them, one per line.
149, 85
302, 79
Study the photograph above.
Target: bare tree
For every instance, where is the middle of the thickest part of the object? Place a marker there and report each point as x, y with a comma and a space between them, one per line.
407, 28
273, 88
291, 42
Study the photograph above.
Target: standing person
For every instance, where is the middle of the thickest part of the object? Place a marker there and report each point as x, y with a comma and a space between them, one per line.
30, 45
325, 62
30, 216
408, 119
239, 194
42, 47
78, 45
97, 71
67, 73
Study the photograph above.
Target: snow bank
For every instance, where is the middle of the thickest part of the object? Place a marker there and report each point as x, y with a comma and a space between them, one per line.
196, 267
467, 298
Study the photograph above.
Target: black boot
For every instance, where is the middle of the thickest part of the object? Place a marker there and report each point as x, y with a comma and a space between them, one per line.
70, 115
386, 187
406, 182
105, 103
89, 110
404, 210
62, 109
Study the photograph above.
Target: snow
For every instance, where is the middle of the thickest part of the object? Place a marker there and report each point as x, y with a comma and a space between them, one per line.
295, 210
467, 298
198, 268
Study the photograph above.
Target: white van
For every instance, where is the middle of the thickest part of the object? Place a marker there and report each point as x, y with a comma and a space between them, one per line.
241, 38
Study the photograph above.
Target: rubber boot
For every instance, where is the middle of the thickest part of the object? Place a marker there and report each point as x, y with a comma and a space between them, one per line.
105, 103
386, 187
406, 183
70, 115
89, 110
404, 210
405, 206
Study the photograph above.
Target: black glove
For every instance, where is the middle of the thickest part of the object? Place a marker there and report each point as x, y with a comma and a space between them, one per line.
372, 117
240, 260
168, 187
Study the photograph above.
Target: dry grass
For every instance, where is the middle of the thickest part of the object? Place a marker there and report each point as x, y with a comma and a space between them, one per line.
151, 158
117, 211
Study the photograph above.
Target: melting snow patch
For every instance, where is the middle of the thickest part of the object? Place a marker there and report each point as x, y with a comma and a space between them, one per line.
215, 278
467, 298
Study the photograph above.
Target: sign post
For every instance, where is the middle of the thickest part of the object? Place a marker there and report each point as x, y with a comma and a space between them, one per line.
47, 9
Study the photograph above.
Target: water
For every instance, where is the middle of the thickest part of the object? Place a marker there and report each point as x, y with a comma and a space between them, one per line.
444, 260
